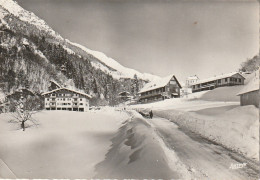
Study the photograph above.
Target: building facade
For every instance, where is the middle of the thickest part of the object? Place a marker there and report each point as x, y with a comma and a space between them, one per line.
230, 79
66, 99
125, 96
191, 80
250, 95
165, 88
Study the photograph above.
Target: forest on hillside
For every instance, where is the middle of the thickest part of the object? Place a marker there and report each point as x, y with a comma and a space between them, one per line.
30, 57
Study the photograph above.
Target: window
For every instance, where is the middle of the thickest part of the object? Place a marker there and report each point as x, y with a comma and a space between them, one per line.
53, 94
80, 103
53, 99
173, 82
47, 99
80, 99
69, 103
225, 79
219, 81
239, 80
63, 99
46, 103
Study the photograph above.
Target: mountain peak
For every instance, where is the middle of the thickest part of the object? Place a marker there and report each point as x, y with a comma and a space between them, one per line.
15, 9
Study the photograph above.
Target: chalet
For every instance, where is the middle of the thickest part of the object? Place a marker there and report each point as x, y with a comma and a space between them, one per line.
124, 96
229, 79
249, 95
186, 88
66, 99
165, 88
191, 80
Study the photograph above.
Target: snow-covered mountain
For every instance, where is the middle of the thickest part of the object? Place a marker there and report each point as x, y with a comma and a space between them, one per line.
121, 71
99, 59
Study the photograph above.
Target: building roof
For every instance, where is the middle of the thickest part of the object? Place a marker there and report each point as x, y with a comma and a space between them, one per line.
123, 92
222, 76
158, 84
55, 82
84, 94
253, 84
195, 77
19, 92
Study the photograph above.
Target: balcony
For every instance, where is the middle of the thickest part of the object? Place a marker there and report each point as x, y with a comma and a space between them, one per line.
51, 105
150, 95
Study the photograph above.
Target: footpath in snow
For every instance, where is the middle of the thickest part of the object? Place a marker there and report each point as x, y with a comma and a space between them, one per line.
202, 158
234, 127
138, 152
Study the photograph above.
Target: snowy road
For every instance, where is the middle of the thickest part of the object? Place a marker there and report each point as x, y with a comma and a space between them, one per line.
202, 158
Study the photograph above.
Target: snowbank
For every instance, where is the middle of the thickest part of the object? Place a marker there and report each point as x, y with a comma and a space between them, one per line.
222, 94
137, 152
185, 104
65, 144
234, 127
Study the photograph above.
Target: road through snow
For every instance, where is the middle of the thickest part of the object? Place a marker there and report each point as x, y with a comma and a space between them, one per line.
202, 158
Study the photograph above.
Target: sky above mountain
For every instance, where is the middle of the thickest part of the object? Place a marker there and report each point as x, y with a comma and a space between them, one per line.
159, 37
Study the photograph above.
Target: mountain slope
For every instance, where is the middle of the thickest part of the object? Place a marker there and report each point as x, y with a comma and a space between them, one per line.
103, 62
122, 72
31, 54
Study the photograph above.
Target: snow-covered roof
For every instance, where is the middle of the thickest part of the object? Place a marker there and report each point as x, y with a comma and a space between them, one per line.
123, 92
253, 85
78, 92
157, 84
195, 77
217, 77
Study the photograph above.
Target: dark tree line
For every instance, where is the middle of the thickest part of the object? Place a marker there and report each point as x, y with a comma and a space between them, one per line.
31, 57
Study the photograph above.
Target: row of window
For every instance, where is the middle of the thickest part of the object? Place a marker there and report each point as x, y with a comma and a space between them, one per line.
64, 103
156, 90
64, 99
66, 95
219, 81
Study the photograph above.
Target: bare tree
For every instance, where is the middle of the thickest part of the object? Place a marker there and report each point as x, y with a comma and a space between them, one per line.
24, 110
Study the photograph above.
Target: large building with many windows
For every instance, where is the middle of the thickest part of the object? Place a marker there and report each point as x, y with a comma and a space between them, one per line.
66, 99
165, 88
230, 79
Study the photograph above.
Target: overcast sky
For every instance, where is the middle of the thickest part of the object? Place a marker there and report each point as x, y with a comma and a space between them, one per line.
159, 36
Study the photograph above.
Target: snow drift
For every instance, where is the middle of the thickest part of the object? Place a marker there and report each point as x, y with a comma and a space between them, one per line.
234, 127
137, 152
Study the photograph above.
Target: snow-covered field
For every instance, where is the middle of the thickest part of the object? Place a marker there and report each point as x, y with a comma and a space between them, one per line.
65, 144
98, 144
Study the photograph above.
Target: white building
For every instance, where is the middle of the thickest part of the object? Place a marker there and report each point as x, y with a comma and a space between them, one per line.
191, 80
66, 99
